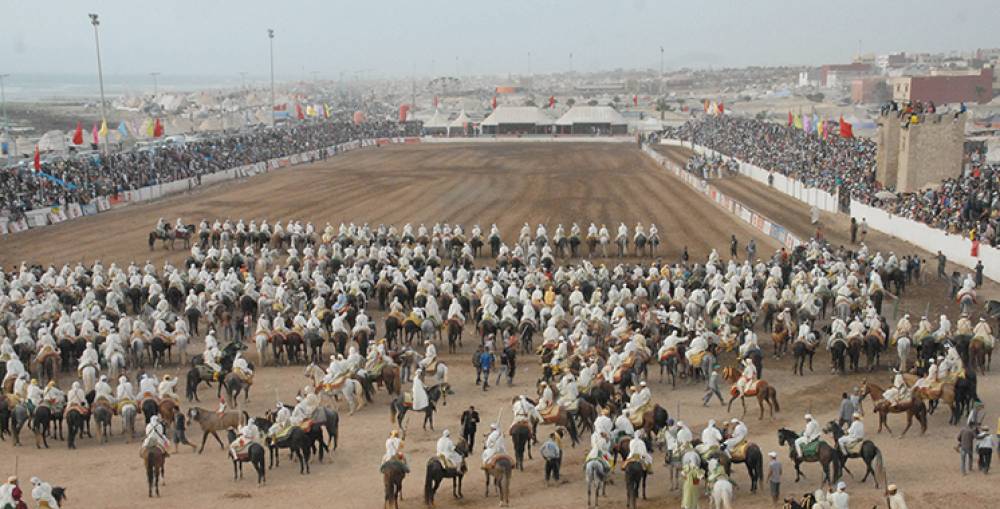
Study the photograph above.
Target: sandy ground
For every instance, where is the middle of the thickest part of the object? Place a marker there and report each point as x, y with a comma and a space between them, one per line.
509, 184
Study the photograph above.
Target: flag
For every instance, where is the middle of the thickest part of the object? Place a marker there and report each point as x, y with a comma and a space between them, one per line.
157, 129
436, 102
38, 160
104, 128
816, 123
78, 134
635, 100
705, 105
122, 128
791, 120
845, 129
494, 102
310, 111
148, 126
298, 111
722, 108
806, 123
326, 110
552, 101
94, 131
797, 122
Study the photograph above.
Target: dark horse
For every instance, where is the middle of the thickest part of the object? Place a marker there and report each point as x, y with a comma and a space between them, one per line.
869, 452
393, 473
826, 456
297, 442
398, 408
635, 475
253, 455
155, 461
437, 473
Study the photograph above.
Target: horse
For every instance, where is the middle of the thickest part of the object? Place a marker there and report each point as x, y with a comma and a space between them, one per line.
235, 384
635, 476
436, 473
913, 407
801, 351
398, 408
826, 455
75, 422
102, 416
454, 327
211, 423
869, 452
501, 473
393, 473
299, 445
764, 392
520, 435
40, 425
155, 461
350, 389
597, 473
253, 455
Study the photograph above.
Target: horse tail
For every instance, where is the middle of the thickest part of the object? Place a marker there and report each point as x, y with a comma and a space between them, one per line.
246, 417
880, 475
774, 399
392, 412
428, 486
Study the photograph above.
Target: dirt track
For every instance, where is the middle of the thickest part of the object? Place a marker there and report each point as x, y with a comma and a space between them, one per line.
509, 184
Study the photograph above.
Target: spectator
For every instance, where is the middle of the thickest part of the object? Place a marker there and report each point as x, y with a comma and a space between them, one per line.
486, 360
847, 409
979, 273
966, 437
941, 259
984, 447
854, 230
896, 500
774, 476
712, 387
552, 453
469, 421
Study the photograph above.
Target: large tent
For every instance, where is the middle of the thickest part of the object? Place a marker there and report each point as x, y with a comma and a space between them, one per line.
517, 120
437, 124
592, 120
461, 126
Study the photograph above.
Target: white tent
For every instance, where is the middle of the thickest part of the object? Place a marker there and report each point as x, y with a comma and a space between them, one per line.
516, 119
437, 124
54, 141
460, 123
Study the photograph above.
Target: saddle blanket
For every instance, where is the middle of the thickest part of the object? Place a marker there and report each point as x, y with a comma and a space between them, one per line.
145, 451
671, 352
738, 453
811, 450
492, 462
283, 433
636, 417
550, 414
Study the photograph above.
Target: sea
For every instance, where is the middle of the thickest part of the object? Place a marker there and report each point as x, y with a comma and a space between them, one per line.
76, 87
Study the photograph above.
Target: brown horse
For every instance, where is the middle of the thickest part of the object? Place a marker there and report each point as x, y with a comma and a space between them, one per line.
980, 356
780, 339
211, 423
764, 392
500, 471
913, 407
393, 473
155, 460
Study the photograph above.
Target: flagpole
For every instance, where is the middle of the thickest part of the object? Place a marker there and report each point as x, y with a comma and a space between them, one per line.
100, 73
270, 36
6, 124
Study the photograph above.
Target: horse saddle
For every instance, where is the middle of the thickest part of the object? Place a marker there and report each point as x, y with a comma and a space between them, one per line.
695, 359
103, 402
336, 383
408, 399
639, 414
431, 368
398, 316
46, 353
854, 448
244, 376
551, 414
492, 462
635, 459
397, 462
810, 451
738, 453
414, 319
145, 451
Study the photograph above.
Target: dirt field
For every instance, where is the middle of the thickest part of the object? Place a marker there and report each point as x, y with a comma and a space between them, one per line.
509, 185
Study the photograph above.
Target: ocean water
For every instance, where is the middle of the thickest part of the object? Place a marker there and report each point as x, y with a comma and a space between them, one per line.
62, 87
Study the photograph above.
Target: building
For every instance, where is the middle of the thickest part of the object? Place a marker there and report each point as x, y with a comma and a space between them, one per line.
912, 156
945, 87
835, 75
891, 61
869, 90
592, 120
517, 120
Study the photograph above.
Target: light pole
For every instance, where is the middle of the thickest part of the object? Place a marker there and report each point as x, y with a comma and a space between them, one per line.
6, 124
270, 37
155, 88
100, 74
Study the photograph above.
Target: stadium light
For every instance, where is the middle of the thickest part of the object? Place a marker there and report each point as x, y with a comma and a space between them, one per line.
270, 37
100, 73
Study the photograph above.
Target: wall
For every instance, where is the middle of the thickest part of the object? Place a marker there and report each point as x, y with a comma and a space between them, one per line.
534, 139
809, 195
953, 89
958, 249
887, 157
929, 151
738, 209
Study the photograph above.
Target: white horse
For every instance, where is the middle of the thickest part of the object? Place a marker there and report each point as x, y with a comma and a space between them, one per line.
129, 413
351, 389
89, 375
181, 342
116, 365
722, 494
903, 351
261, 341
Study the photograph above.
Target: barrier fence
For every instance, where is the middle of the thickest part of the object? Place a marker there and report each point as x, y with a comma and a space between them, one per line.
735, 207
53, 215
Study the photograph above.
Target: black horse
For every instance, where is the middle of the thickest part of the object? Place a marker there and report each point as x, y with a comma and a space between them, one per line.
297, 442
869, 452
398, 408
253, 455
437, 473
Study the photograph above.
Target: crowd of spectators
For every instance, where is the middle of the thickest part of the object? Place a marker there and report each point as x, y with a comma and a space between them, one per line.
965, 205
81, 177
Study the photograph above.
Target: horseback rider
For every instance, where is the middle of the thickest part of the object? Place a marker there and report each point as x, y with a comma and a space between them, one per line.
249, 434
748, 378
638, 402
124, 392
148, 387
166, 388
89, 358
623, 427
855, 434
419, 393
637, 451
155, 436
811, 433
241, 367
394, 450
546, 400
899, 392
102, 390
446, 453
211, 356
524, 411
711, 437
494, 445
737, 437
41, 491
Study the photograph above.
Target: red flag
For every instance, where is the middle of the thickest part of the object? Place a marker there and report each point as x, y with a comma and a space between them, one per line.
78, 134
298, 111
791, 120
845, 129
157, 129
38, 160
635, 100
722, 108
552, 101
436, 101
494, 102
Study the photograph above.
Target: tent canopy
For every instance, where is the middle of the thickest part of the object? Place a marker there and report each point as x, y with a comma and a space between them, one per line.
591, 115
519, 115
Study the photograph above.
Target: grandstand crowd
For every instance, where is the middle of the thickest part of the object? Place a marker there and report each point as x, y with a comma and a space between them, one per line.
85, 177
965, 205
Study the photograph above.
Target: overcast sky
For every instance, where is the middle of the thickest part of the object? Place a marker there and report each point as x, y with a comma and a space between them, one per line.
392, 37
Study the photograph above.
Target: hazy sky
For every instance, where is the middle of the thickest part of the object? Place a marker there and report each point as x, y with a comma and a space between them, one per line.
391, 37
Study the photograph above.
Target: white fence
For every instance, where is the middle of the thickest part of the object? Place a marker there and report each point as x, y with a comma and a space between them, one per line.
957, 248
738, 209
808, 195
533, 139
52, 215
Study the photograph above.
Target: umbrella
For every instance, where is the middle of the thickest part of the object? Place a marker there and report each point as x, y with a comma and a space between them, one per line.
885, 195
